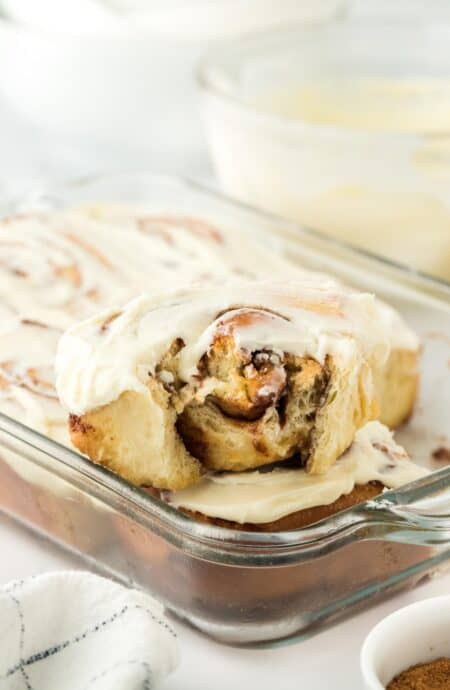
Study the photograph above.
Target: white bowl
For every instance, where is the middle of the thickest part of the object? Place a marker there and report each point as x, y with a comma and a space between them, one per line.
413, 635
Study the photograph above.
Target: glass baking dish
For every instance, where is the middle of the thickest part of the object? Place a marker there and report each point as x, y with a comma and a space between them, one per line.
329, 129
240, 587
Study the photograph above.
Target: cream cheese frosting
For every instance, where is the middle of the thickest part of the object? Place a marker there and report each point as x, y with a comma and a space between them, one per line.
100, 358
62, 266
259, 497
27, 385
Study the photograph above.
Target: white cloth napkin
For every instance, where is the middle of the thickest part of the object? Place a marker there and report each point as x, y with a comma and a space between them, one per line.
78, 631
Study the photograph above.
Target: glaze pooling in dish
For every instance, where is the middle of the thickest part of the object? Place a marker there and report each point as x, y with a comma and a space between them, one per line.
260, 497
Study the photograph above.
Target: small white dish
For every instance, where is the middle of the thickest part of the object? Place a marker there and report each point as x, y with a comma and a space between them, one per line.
413, 635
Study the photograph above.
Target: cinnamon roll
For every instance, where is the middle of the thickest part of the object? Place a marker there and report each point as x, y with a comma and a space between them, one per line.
224, 379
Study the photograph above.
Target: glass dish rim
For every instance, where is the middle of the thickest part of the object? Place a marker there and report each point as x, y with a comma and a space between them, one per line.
390, 516
390, 513
43, 192
211, 60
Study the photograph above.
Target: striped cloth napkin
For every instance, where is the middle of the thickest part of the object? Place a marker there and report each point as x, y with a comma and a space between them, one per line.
77, 631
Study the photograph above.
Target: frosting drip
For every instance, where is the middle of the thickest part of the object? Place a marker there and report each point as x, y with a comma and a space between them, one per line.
104, 356
259, 497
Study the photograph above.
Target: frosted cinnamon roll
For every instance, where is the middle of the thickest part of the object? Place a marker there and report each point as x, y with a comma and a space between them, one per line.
228, 378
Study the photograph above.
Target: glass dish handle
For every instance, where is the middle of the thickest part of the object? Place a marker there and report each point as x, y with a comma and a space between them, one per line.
418, 514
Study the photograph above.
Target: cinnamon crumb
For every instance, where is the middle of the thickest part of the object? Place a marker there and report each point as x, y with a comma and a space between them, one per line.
390, 452
434, 675
441, 454
32, 322
77, 425
107, 322
260, 446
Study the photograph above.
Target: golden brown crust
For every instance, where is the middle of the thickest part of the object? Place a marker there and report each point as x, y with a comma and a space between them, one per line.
301, 518
398, 385
135, 436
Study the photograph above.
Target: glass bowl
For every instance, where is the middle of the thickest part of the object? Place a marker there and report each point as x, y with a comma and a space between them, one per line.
345, 128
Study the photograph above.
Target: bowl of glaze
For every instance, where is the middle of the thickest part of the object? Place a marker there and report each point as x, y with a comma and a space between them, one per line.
344, 128
415, 634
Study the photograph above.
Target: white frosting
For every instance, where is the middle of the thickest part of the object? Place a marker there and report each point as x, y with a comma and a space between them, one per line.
27, 390
259, 497
59, 267
104, 356
63, 266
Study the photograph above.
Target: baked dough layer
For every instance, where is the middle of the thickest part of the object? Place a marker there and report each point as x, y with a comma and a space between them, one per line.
136, 437
263, 411
397, 387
